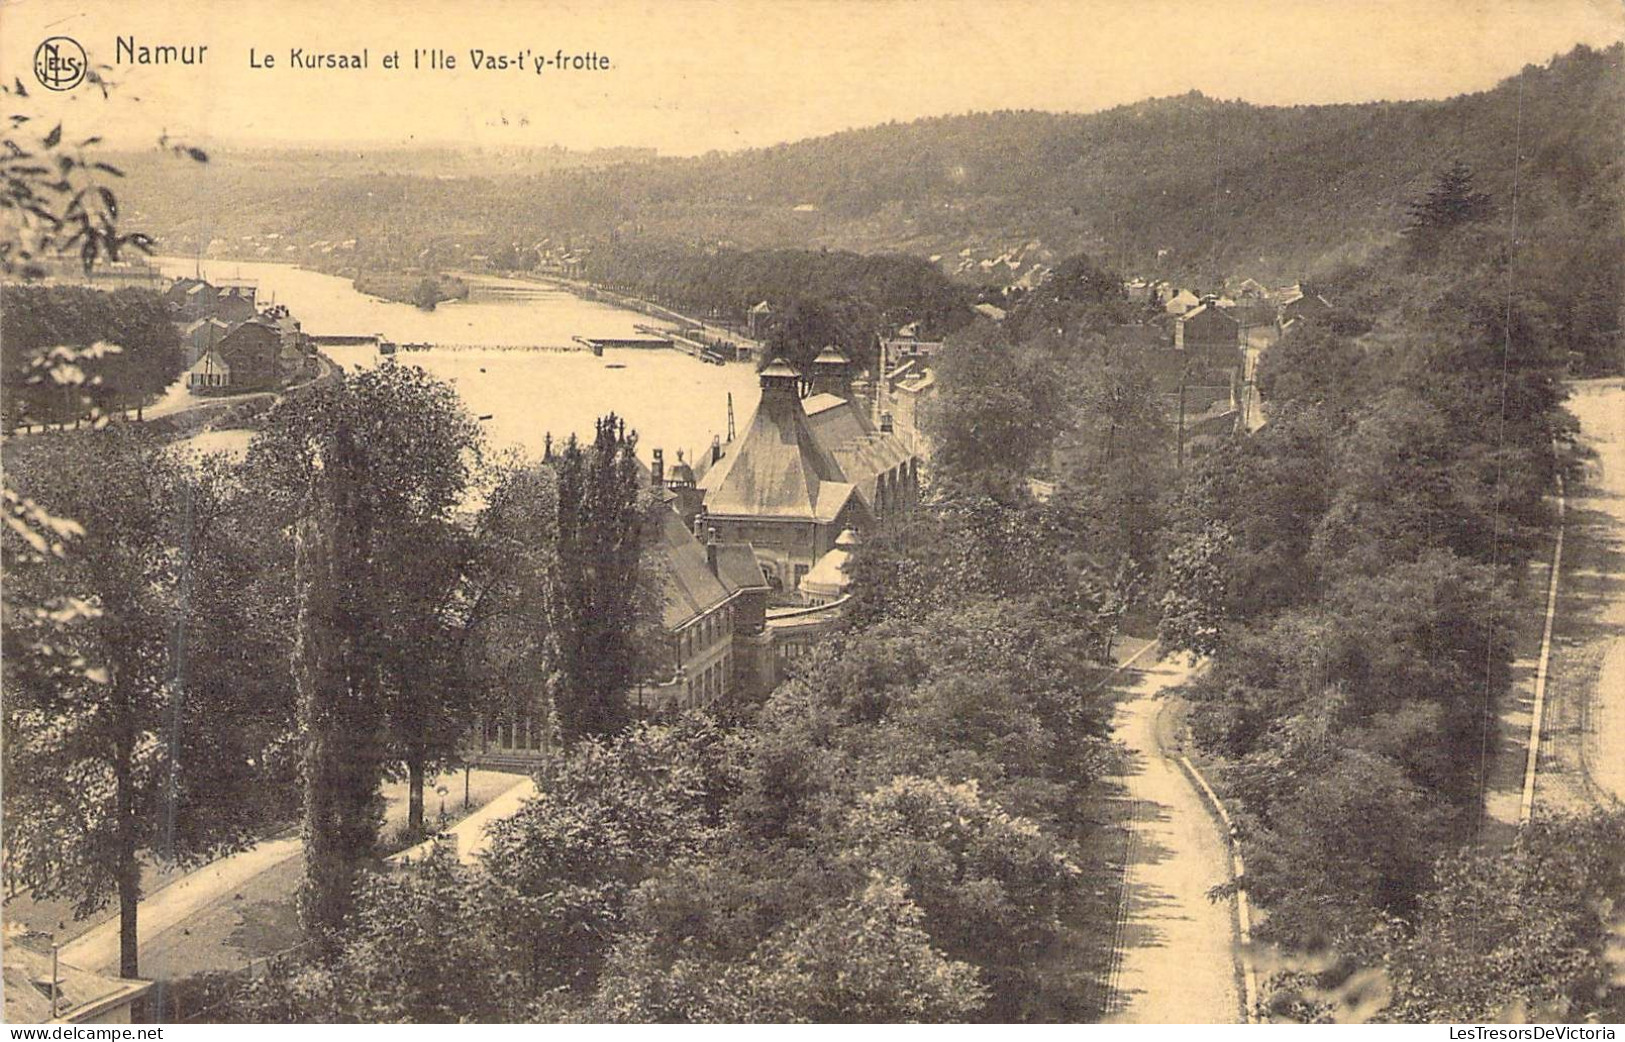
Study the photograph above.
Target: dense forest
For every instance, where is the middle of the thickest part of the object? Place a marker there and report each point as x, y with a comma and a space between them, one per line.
123, 344
1352, 572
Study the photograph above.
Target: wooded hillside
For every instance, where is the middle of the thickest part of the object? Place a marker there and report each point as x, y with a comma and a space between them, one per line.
1223, 187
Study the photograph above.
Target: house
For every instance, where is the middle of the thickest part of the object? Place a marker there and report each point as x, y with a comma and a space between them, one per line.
1207, 327
1251, 291
251, 352
200, 337
41, 989
208, 373
869, 454
907, 345
713, 641
178, 295
1299, 302
805, 470
198, 300
757, 319
1181, 302
234, 304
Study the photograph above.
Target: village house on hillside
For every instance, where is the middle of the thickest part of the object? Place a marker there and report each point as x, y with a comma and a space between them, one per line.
1298, 302
1180, 301
202, 336
251, 352
1207, 327
907, 345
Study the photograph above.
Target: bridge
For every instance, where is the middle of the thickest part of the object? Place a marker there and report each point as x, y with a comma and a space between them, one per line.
492, 289
440, 346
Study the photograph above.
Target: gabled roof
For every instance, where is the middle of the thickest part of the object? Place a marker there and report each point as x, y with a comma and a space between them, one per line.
211, 363
738, 568
1181, 302
776, 468
192, 327
1205, 309
863, 451
688, 587
27, 977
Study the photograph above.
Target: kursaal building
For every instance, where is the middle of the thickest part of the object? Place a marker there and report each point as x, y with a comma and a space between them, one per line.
752, 543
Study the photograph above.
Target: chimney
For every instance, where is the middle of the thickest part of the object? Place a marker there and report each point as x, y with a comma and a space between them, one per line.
711, 549
716, 448
832, 374
657, 470
699, 524
885, 423
780, 387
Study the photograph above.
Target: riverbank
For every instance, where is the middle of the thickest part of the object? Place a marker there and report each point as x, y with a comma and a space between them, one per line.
729, 342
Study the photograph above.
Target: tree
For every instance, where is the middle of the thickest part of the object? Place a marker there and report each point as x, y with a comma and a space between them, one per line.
1114, 467
39, 319
426, 294
341, 710
1450, 203
998, 413
1516, 934
383, 458
806, 326
564, 867
1195, 605
58, 203
597, 599
1079, 297
993, 888
110, 752
867, 960
509, 653
422, 949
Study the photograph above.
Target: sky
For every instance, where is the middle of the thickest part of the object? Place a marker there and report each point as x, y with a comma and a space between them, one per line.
690, 76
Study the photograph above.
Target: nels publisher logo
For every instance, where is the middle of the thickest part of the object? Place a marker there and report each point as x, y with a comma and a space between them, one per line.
59, 63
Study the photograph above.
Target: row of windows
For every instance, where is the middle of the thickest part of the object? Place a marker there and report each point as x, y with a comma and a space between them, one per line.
707, 632
716, 682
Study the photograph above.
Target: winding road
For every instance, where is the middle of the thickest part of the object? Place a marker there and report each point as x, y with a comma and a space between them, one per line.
1600, 503
1177, 956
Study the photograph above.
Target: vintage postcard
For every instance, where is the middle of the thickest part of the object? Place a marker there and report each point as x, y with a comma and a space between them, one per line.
821, 511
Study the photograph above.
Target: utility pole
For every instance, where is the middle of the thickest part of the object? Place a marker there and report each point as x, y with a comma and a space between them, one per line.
1180, 463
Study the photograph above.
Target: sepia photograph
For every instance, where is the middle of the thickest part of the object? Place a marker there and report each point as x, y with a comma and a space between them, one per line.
824, 512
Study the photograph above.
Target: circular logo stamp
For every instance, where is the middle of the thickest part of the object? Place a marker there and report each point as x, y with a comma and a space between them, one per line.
59, 63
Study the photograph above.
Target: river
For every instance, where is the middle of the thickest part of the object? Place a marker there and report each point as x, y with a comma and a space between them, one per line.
672, 400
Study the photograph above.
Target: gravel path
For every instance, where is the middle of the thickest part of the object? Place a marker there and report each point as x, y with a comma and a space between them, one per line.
1177, 954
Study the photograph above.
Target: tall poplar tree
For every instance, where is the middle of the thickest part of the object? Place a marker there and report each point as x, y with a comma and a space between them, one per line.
597, 600
383, 458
